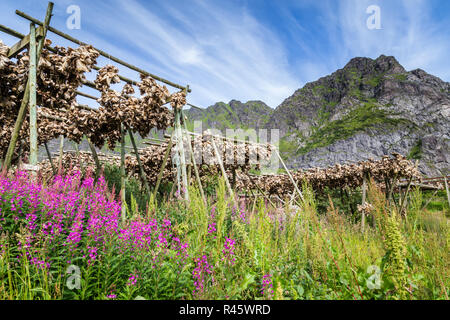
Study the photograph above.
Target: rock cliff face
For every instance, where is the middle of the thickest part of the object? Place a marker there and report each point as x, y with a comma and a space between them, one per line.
365, 110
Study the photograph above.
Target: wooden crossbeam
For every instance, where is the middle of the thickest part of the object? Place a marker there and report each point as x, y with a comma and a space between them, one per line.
11, 32
152, 143
103, 53
19, 35
195, 107
22, 44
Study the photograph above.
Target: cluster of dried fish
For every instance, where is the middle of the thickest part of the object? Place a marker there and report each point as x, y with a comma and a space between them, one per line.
337, 176
152, 158
46, 128
235, 155
71, 162
140, 114
246, 156
59, 75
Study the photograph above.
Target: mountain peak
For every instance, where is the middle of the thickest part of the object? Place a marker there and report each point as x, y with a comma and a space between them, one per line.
382, 64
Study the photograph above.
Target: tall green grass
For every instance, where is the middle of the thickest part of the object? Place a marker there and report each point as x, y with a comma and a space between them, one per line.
303, 252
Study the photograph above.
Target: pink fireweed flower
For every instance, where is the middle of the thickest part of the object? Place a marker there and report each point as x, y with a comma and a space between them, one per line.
212, 228
200, 274
132, 280
212, 225
167, 223
267, 286
74, 213
242, 214
92, 254
228, 251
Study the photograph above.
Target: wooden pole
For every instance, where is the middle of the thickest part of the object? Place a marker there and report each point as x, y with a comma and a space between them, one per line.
32, 103
141, 168
222, 168
290, 176
391, 188
429, 200
180, 147
122, 171
364, 190
50, 158
233, 179
77, 151
11, 32
163, 166
197, 175
177, 156
189, 173
26, 96
94, 154
61, 151
446, 190
20, 154
293, 198
402, 205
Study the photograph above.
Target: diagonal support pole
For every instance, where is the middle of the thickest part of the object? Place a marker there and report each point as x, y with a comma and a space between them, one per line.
224, 173
96, 160
77, 151
50, 157
141, 168
364, 192
163, 166
290, 176
197, 175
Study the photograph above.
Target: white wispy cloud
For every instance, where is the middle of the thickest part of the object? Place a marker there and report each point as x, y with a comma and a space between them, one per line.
227, 53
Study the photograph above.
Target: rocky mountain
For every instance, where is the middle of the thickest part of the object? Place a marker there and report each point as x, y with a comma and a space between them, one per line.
367, 109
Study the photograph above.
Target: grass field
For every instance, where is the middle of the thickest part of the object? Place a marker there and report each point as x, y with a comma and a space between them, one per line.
66, 240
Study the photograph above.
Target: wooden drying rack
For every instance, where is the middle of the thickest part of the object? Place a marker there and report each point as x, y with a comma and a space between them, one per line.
35, 41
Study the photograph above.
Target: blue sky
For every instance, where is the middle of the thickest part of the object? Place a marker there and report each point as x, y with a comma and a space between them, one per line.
249, 49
